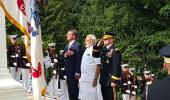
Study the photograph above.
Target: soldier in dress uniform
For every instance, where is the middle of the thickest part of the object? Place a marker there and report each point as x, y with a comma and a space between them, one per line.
128, 83
146, 81
146, 78
62, 77
110, 71
13, 55
51, 70
160, 90
25, 65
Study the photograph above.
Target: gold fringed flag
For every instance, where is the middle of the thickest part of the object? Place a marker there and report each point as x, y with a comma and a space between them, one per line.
38, 80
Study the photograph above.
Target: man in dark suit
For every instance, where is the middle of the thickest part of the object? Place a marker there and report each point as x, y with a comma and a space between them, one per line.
72, 60
110, 70
160, 90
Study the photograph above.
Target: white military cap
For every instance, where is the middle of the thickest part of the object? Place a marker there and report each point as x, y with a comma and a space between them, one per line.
146, 72
132, 69
125, 65
51, 44
12, 36
152, 75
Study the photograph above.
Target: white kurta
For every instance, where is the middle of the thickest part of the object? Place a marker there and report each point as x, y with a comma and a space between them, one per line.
88, 69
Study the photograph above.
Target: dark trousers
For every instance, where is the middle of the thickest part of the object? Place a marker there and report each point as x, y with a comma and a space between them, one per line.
73, 89
107, 93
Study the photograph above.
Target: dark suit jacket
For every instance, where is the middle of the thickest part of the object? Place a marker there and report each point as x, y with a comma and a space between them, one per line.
72, 63
160, 90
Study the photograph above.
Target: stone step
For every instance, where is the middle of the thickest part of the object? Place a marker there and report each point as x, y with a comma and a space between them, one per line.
8, 84
4, 71
4, 76
13, 94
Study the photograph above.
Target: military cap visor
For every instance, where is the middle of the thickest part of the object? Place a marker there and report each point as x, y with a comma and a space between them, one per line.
108, 35
165, 52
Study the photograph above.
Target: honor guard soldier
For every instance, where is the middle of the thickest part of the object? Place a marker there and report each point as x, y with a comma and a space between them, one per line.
25, 65
146, 81
128, 83
62, 77
110, 70
51, 70
13, 51
160, 90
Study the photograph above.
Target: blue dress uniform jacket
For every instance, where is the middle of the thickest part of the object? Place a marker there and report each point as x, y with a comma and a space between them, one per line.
61, 68
159, 90
13, 55
23, 57
72, 66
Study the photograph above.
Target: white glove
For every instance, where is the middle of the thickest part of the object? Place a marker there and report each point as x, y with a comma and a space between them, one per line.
135, 86
62, 69
128, 91
52, 64
133, 92
16, 55
54, 72
55, 60
15, 64
65, 77
28, 64
129, 82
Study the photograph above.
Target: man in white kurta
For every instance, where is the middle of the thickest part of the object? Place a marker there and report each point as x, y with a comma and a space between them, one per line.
89, 84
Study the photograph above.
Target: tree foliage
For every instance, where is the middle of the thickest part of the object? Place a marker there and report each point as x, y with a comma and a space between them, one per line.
142, 27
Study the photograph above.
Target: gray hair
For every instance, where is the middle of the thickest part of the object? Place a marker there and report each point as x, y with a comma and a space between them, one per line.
93, 37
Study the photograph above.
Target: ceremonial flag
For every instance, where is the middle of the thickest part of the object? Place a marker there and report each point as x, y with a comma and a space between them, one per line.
3, 53
38, 80
18, 13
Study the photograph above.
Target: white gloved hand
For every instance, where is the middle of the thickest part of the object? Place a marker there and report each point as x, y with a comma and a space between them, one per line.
55, 60
133, 92
65, 77
62, 69
52, 64
28, 64
16, 55
15, 64
129, 82
128, 91
54, 72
